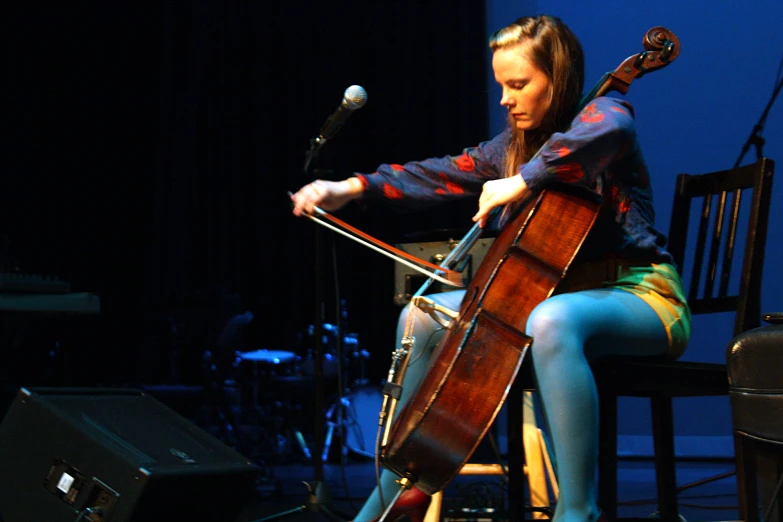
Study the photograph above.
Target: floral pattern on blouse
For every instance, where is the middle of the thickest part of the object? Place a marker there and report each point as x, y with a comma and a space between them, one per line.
599, 151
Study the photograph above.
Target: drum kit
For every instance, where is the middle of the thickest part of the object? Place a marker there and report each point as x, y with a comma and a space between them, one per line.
276, 388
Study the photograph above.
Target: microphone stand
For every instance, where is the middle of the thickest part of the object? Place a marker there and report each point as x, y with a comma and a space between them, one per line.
318, 498
318, 350
755, 138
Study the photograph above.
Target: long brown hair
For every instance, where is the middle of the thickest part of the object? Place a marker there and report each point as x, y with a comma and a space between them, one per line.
551, 46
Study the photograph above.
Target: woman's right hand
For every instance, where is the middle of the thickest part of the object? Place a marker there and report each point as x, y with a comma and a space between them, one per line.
498, 192
326, 195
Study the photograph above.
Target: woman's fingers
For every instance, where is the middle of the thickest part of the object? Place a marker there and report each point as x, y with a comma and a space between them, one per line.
326, 195
307, 198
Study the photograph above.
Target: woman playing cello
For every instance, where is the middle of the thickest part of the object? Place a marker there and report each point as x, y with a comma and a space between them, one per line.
622, 296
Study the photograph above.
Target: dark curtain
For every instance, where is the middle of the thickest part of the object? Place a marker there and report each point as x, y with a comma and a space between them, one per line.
152, 147
244, 88
79, 139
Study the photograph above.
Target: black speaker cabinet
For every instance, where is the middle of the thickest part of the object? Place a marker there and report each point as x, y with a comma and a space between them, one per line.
114, 455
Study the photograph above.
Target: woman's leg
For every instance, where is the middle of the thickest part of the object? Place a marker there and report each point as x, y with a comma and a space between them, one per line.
427, 332
568, 331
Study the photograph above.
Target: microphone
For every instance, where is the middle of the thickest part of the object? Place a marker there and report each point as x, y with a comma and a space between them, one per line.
354, 98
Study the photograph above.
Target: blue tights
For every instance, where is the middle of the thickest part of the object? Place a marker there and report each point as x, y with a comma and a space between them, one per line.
568, 331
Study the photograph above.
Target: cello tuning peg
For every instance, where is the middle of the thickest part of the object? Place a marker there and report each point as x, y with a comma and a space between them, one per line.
668, 49
639, 61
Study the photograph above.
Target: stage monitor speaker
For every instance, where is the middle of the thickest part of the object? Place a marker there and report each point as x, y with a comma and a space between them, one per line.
114, 455
408, 281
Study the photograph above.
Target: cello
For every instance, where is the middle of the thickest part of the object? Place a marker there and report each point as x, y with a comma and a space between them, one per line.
441, 425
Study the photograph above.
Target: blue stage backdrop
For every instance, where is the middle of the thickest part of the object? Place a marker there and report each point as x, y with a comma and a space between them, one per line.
693, 116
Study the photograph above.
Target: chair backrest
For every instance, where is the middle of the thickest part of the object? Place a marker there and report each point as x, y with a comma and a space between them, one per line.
710, 288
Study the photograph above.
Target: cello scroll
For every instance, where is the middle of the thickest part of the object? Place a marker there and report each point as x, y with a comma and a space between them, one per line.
661, 48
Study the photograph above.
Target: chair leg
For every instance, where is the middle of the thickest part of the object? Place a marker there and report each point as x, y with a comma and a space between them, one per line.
607, 455
538, 466
516, 452
665, 464
433, 513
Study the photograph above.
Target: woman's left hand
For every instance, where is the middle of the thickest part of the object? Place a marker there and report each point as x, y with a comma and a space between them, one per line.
498, 192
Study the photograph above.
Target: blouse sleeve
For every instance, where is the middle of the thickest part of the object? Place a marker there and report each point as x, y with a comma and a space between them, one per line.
601, 133
420, 184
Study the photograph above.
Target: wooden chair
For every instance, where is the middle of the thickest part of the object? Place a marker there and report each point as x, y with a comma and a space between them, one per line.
708, 278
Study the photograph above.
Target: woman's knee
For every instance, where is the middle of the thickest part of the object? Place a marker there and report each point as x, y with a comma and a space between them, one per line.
550, 318
553, 329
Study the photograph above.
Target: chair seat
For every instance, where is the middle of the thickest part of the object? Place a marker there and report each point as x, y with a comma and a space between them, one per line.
642, 377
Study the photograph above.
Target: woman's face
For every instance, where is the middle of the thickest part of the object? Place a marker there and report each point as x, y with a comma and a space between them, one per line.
526, 88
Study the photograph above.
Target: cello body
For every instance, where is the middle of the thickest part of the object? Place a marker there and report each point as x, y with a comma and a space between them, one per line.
478, 358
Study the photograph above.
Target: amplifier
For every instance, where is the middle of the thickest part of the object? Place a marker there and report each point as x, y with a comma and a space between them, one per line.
408, 281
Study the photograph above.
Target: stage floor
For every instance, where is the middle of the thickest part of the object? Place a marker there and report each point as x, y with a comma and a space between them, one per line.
349, 484
707, 487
